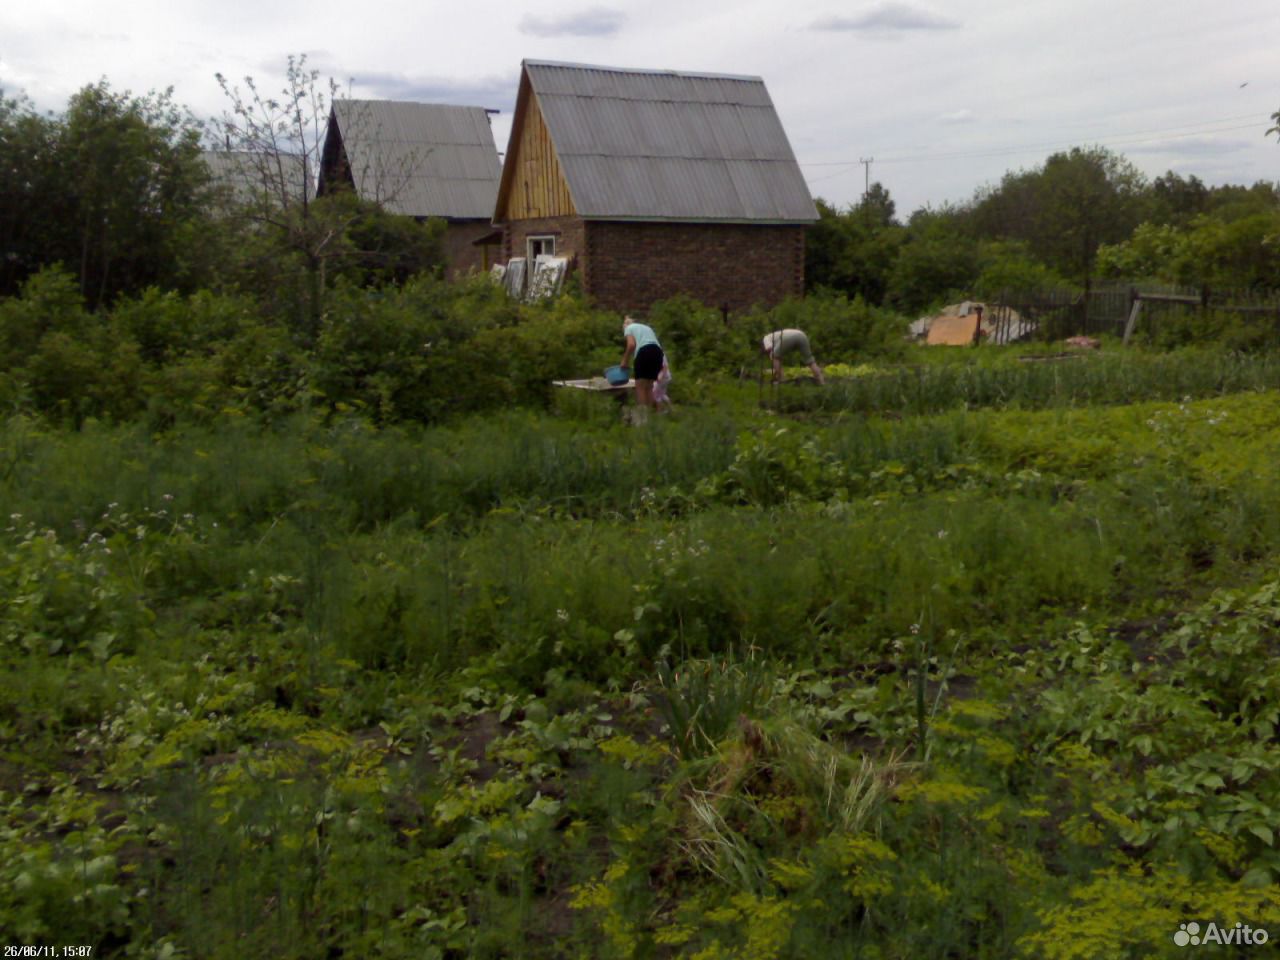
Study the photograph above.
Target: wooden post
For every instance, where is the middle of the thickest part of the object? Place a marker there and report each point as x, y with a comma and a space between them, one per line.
1088, 288
1133, 316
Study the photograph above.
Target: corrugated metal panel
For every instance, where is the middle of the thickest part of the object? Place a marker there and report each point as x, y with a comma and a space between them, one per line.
248, 177
671, 188
638, 144
421, 159
592, 81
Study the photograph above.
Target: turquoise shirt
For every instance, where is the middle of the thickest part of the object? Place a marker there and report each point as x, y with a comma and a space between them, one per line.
644, 335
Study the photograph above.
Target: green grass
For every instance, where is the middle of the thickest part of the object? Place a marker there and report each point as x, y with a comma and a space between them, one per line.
1080, 380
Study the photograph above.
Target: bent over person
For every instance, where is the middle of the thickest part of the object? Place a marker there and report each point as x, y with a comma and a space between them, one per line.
642, 343
778, 344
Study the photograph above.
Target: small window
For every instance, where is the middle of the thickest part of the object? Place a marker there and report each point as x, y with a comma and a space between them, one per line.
541, 247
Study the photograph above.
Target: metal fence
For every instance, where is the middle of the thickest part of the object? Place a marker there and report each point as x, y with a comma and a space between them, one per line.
1146, 313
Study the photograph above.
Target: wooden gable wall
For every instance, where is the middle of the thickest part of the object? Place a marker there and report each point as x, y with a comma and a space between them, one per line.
533, 186
335, 168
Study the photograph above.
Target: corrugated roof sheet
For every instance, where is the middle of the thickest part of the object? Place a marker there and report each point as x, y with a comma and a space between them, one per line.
421, 159
661, 145
251, 177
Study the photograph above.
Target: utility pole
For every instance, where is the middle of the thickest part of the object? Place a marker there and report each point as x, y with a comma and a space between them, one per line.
866, 184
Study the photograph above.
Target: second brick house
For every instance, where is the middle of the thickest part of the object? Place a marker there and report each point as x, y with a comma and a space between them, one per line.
419, 160
655, 183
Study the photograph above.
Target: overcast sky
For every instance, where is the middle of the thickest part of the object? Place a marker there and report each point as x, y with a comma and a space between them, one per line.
944, 96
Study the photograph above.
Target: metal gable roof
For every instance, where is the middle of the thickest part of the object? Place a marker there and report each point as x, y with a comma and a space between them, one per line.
661, 145
421, 159
248, 177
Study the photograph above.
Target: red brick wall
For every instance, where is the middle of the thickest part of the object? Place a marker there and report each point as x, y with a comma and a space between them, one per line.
461, 255
629, 266
568, 232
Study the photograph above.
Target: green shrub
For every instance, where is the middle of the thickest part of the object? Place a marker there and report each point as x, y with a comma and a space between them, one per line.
696, 338
50, 302
839, 329
168, 327
430, 350
59, 598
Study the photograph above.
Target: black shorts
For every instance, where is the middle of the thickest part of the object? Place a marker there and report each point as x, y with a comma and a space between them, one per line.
648, 362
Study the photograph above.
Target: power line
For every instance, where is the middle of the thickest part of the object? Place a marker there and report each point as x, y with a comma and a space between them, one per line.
1193, 127
1109, 140
1167, 133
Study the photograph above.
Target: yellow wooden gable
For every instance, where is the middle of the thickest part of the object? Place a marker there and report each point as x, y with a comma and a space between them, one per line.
533, 186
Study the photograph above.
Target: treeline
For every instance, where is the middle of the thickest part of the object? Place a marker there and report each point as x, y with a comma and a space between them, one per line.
1084, 215
422, 351
425, 350
136, 284
116, 191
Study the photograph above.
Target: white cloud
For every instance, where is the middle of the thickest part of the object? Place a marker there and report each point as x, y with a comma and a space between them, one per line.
593, 22
495, 90
888, 17
971, 90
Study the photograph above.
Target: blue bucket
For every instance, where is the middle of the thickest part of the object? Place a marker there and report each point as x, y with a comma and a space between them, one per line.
617, 376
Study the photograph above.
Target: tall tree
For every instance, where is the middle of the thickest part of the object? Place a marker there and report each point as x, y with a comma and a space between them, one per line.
1177, 199
134, 167
1233, 201
279, 141
108, 189
877, 207
853, 250
938, 261
33, 197
1066, 209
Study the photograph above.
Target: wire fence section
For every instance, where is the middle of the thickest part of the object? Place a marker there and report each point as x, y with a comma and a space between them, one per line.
1146, 313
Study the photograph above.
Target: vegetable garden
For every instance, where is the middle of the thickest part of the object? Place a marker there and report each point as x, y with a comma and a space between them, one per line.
957, 657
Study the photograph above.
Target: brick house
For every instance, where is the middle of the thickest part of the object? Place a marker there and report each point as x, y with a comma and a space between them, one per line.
655, 183
420, 160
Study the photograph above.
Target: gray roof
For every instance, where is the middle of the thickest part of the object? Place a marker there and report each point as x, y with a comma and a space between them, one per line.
250, 178
661, 145
421, 159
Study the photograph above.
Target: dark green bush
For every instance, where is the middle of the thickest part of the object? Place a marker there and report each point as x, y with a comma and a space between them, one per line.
167, 326
50, 302
432, 350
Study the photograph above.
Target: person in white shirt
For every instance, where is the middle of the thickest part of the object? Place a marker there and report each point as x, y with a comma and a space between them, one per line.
779, 343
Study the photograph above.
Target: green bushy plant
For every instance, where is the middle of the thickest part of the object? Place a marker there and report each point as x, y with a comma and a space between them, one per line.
839, 329
60, 598
697, 338
167, 326
429, 351
49, 302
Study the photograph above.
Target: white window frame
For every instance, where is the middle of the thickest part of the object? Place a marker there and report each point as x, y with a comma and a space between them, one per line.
546, 242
